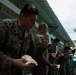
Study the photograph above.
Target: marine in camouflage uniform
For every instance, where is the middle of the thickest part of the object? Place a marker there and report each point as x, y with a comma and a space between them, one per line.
16, 41
10, 44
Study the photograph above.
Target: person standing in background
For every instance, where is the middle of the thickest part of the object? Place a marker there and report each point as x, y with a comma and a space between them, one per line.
65, 61
41, 40
53, 55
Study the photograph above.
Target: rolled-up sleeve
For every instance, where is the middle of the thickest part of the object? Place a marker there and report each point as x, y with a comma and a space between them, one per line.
5, 62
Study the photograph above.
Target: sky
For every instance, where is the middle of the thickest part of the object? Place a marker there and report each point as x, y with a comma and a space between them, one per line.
65, 10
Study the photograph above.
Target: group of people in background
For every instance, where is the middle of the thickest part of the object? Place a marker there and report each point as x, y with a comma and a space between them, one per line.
16, 40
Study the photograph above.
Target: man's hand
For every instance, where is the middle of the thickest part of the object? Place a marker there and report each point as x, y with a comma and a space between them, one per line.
70, 55
58, 54
45, 41
21, 64
54, 67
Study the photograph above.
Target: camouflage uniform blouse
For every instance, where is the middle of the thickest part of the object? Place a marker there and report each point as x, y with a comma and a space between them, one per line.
13, 41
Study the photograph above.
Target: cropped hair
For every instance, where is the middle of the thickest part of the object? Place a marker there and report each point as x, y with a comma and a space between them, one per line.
67, 48
43, 24
56, 40
29, 9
